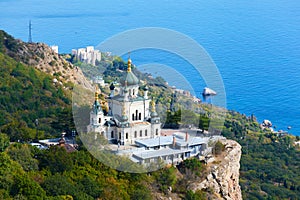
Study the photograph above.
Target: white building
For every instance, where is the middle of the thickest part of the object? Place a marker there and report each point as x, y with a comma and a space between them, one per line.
87, 55
129, 118
135, 126
54, 48
98, 80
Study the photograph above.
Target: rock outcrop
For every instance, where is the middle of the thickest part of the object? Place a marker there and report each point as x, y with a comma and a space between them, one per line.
42, 57
46, 60
223, 174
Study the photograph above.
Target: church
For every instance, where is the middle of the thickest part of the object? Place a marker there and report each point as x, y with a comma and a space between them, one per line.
130, 116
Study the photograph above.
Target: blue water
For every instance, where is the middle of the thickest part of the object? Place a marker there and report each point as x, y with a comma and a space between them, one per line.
255, 44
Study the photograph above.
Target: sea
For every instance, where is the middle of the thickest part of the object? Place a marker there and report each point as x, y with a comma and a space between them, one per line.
254, 44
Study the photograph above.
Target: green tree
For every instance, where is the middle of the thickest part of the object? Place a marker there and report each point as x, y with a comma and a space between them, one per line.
56, 159
173, 119
58, 185
91, 187
4, 142
141, 192
21, 153
4, 194
25, 186
198, 195
166, 178
194, 165
219, 147
204, 122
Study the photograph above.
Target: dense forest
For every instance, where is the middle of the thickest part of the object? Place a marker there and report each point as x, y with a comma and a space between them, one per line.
269, 164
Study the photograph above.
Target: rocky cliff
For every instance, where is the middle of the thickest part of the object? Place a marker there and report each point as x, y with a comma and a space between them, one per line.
223, 174
42, 57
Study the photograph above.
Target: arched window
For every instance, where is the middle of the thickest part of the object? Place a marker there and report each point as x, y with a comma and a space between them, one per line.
112, 134
135, 134
133, 92
99, 120
132, 117
120, 136
140, 116
146, 132
141, 133
136, 114
126, 136
156, 131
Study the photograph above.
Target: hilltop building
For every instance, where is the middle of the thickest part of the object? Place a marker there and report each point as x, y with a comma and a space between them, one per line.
87, 55
67, 143
135, 126
98, 80
129, 117
54, 48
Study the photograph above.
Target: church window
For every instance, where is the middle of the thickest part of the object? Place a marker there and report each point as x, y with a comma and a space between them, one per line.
99, 120
112, 134
132, 117
119, 136
140, 116
156, 131
126, 135
136, 114
133, 92
135, 134
141, 133
145, 132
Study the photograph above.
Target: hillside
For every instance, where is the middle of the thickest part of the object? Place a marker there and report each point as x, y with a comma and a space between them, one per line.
269, 167
42, 57
27, 94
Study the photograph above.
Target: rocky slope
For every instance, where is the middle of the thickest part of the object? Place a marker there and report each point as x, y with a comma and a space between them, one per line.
223, 174
219, 181
43, 58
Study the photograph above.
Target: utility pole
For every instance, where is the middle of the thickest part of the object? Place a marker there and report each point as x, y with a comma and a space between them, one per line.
29, 37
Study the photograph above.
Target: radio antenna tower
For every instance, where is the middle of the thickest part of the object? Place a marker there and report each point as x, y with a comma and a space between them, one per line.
29, 37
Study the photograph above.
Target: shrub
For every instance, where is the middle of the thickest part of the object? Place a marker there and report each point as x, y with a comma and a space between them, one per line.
218, 148
4, 142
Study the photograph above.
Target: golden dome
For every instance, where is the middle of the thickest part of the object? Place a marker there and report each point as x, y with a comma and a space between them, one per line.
97, 92
129, 65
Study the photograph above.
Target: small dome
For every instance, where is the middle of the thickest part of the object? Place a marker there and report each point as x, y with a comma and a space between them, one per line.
129, 79
124, 118
97, 107
112, 86
154, 114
